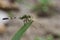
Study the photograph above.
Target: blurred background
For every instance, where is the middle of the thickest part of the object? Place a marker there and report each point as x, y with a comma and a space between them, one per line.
44, 13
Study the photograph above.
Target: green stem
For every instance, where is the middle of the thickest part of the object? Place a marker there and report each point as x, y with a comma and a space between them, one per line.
21, 31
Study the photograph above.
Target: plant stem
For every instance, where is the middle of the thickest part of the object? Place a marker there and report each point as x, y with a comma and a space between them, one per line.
21, 31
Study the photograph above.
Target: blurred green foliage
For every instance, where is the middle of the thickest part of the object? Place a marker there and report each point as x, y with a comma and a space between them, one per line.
49, 37
43, 8
39, 38
43, 1
10, 14
19, 1
43, 5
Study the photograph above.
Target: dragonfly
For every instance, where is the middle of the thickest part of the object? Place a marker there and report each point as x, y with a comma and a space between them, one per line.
26, 18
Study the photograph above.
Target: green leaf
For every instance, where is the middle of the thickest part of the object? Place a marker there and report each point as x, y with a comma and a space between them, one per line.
21, 31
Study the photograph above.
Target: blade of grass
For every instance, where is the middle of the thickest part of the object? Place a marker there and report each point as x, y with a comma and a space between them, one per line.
21, 31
